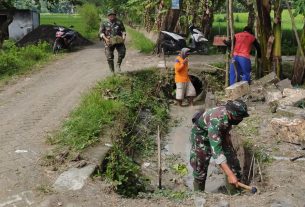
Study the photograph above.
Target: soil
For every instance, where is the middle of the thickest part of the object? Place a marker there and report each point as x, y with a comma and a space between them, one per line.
47, 33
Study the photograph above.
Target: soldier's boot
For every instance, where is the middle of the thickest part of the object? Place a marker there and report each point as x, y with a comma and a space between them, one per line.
111, 66
118, 65
199, 185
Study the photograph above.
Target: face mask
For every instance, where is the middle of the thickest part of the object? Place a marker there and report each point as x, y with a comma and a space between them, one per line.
234, 121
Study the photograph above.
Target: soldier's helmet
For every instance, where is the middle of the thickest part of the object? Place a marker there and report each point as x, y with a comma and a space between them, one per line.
238, 108
111, 12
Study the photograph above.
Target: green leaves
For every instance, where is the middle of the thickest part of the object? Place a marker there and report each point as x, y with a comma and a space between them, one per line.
299, 6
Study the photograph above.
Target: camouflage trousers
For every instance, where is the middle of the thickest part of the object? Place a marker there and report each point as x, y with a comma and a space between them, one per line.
201, 154
109, 51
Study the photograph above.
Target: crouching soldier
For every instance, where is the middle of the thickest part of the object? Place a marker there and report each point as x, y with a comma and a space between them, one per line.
113, 33
210, 138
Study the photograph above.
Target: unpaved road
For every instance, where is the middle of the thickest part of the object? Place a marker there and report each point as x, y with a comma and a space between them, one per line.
35, 106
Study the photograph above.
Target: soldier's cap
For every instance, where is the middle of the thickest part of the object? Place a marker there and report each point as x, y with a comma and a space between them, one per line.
237, 108
111, 12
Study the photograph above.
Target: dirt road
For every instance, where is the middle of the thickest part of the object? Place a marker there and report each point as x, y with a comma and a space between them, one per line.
34, 107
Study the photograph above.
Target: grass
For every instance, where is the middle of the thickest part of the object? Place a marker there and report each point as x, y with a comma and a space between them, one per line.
68, 20
128, 109
140, 42
19, 61
240, 21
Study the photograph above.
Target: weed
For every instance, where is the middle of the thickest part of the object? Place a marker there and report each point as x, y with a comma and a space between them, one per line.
15, 60
45, 189
140, 42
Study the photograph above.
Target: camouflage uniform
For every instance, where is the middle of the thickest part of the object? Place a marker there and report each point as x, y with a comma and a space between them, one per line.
111, 29
210, 138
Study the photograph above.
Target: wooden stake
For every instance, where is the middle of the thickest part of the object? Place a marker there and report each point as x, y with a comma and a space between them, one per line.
260, 170
250, 168
159, 159
228, 54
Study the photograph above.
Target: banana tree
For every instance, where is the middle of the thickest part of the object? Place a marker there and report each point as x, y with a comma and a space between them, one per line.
299, 64
277, 32
264, 33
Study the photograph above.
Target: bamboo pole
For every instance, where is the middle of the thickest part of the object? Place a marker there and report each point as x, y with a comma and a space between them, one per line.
228, 54
159, 159
231, 17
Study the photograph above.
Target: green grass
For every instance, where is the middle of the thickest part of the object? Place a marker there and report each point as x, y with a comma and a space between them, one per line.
140, 42
67, 20
220, 21
18, 61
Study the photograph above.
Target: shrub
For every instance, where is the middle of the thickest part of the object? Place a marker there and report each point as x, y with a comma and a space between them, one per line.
90, 16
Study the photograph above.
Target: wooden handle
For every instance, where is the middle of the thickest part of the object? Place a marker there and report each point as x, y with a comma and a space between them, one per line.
244, 186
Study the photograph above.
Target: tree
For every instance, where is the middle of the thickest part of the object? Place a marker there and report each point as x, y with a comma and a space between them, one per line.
299, 63
264, 32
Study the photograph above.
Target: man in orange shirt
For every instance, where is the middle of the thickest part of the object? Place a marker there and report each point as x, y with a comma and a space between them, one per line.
184, 85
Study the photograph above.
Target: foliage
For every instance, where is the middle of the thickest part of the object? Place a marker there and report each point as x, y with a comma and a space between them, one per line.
180, 169
140, 42
90, 17
15, 60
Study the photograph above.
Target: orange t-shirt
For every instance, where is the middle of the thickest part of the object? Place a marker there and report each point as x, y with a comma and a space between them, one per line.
181, 71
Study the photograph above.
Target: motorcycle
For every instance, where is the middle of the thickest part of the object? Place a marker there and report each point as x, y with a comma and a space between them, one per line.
197, 41
172, 42
64, 39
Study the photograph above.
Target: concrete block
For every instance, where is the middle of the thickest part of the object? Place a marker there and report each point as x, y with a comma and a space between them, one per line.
237, 90
290, 130
292, 97
74, 178
267, 79
286, 83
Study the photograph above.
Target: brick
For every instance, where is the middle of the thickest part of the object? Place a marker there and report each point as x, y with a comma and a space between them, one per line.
290, 130
237, 90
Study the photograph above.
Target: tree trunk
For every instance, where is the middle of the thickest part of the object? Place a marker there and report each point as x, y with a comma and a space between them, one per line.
207, 18
277, 49
251, 16
169, 23
264, 32
299, 63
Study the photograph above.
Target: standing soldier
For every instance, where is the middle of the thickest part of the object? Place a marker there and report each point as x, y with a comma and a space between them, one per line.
210, 138
113, 33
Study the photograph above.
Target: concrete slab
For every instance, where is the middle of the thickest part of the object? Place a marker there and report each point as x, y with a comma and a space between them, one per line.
74, 178
237, 90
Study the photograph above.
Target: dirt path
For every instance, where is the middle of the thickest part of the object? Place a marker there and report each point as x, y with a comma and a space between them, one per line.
36, 106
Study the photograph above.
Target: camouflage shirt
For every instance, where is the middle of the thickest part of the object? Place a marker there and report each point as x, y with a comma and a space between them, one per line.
214, 126
110, 29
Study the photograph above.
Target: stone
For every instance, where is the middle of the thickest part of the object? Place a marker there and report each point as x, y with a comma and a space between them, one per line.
267, 79
74, 178
286, 83
289, 130
237, 90
272, 95
291, 111
292, 97
223, 204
